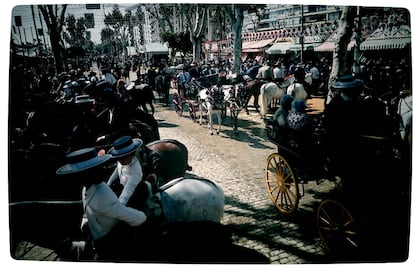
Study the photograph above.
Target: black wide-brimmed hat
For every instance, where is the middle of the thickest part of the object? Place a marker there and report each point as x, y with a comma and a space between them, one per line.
124, 146
347, 81
81, 160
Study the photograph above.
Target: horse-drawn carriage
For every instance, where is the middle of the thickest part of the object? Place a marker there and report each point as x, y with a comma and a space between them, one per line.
188, 99
212, 95
370, 175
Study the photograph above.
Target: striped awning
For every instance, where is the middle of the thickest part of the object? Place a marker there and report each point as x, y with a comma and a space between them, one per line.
385, 43
256, 46
388, 38
328, 46
298, 47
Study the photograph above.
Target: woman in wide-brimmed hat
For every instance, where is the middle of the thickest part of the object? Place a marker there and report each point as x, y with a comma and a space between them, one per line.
127, 178
109, 221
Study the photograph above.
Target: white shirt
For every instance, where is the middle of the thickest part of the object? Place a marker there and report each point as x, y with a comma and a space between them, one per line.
264, 72
129, 176
104, 210
278, 73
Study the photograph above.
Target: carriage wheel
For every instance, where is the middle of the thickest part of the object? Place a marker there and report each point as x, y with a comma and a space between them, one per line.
281, 184
177, 104
336, 226
192, 110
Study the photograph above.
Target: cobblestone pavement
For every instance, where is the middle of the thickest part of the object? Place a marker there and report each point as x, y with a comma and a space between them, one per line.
236, 160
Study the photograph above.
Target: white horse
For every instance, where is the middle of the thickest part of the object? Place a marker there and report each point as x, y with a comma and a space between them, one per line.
268, 92
275, 91
192, 199
182, 200
297, 90
209, 103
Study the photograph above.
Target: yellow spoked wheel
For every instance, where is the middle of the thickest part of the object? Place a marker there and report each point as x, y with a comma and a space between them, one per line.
281, 184
336, 226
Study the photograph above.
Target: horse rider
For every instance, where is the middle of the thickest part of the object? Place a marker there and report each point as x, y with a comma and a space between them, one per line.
127, 178
265, 72
112, 225
253, 70
278, 73
109, 77
299, 84
183, 78
208, 70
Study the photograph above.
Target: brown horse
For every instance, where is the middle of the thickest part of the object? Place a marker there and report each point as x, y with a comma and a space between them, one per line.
142, 95
253, 89
169, 158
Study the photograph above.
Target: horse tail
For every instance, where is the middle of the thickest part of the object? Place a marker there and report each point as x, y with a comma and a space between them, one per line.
263, 100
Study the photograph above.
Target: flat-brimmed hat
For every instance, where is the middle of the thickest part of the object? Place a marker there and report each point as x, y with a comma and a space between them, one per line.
81, 160
82, 99
347, 81
124, 146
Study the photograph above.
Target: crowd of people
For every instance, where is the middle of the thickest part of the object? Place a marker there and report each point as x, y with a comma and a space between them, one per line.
126, 199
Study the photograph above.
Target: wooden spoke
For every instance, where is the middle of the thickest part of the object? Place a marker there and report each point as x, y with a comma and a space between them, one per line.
281, 184
336, 226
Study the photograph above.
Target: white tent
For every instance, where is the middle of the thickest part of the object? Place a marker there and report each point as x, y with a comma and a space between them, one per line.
281, 46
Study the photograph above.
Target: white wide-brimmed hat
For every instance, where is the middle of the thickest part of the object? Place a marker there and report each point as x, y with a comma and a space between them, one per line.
81, 160
124, 146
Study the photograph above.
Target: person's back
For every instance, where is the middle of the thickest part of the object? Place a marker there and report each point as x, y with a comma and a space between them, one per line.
265, 73
341, 122
278, 75
280, 125
300, 132
109, 221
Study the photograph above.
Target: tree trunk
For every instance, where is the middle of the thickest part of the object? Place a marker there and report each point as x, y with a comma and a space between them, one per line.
55, 22
197, 49
237, 42
196, 30
340, 64
57, 51
235, 14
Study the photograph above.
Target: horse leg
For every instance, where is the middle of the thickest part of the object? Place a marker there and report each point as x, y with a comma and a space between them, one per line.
152, 106
245, 106
235, 113
210, 121
255, 102
144, 107
263, 105
218, 122
167, 95
201, 114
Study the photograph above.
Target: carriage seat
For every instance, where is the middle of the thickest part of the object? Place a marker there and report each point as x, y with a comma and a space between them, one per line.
275, 133
300, 141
